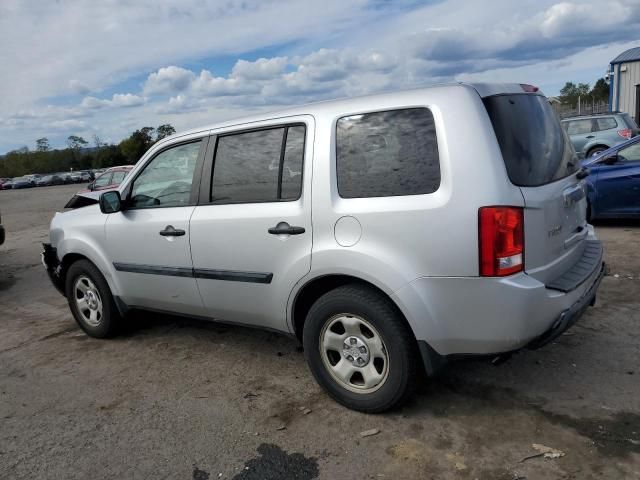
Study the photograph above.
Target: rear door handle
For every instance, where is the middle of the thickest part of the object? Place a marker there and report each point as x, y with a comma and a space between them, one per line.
283, 228
169, 231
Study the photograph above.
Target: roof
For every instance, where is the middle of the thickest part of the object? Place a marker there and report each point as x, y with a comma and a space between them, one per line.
631, 55
362, 103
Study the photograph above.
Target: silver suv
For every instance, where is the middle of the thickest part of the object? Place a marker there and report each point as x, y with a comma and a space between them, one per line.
388, 233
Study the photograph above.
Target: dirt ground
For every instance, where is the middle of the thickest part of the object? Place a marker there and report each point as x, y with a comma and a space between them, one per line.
180, 399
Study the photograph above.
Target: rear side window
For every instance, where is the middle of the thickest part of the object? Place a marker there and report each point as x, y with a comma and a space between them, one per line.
606, 123
259, 166
578, 127
535, 148
387, 154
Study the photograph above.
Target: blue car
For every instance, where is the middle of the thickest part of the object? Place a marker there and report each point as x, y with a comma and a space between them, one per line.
613, 186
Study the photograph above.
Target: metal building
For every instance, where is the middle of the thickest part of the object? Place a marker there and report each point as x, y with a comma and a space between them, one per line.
624, 81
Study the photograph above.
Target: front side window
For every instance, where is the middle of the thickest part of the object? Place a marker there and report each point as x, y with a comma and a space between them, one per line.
103, 180
259, 166
118, 177
166, 180
387, 154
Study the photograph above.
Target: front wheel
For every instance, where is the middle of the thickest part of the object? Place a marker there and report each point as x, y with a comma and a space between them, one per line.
360, 349
90, 300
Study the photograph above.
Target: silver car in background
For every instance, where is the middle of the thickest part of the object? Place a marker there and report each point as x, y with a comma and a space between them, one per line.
389, 233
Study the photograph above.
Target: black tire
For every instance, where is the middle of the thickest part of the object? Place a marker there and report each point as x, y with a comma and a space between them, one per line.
110, 317
401, 347
595, 151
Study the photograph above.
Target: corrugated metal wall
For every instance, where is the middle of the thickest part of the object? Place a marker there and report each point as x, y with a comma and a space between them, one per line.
628, 82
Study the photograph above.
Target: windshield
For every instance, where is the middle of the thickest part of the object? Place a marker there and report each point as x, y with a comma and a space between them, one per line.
535, 148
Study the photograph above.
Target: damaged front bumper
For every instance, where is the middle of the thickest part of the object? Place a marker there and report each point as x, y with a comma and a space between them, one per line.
53, 266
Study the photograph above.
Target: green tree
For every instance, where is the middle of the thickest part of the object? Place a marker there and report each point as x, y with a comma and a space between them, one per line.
570, 93
76, 143
137, 144
600, 91
164, 131
42, 144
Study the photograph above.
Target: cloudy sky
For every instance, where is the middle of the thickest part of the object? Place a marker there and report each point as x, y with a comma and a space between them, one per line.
108, 67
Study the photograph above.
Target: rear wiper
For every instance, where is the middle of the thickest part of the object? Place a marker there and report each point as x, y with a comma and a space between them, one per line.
583, 173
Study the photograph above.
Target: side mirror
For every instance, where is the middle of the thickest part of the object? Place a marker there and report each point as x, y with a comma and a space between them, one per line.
611, 159
91, 186
110, 202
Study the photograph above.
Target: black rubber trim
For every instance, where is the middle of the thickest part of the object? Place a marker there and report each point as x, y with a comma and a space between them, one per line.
590, 260
233, 276
154, 270
53, 266
205, 273
570, 315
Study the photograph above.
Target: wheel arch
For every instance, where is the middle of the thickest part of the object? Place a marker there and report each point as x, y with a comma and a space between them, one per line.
592, 147
318, 286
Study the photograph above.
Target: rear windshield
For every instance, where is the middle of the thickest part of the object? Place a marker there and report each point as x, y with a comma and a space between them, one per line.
535, 148
630, 121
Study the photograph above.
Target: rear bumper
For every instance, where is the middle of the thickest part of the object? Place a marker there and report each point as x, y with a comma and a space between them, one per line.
568, 317
53, 267
487, 316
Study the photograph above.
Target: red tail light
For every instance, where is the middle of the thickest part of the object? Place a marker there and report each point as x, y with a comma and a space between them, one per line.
501, 240
626, 133
529, 88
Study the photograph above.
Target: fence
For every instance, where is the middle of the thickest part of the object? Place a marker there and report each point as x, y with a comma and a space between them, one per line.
585, 108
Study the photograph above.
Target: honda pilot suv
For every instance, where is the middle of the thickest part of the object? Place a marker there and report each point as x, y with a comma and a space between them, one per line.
389, 233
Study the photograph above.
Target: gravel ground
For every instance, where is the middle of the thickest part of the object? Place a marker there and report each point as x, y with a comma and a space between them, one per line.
182, 399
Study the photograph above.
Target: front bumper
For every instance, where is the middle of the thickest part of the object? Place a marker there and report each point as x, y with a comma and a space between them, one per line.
53, 266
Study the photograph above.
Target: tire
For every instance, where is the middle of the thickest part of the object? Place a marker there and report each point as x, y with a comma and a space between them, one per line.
349, 318
100, 317
595, 151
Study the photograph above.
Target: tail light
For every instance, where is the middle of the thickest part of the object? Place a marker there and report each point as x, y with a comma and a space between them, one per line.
529, 88
626, 133
501, 240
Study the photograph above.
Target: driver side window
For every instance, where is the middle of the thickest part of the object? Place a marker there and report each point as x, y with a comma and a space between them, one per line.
630, 153
103, 180
166, 180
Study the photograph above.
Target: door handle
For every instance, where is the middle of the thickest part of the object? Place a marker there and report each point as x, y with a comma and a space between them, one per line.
169, 231
590, 136
283, 228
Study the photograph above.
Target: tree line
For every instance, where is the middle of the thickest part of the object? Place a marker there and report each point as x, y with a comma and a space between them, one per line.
79, 154
571, 92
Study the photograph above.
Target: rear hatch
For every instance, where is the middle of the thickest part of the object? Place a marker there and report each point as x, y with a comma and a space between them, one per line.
541, 161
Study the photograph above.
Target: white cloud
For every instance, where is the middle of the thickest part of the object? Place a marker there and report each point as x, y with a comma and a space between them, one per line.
261, 69
326, 49
168, 80
70, 124
117, 100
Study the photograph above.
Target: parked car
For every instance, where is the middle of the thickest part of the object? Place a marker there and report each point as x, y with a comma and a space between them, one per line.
22, 182
48, 180
108, 180
5, 183
613, 185
593, 134
399, 252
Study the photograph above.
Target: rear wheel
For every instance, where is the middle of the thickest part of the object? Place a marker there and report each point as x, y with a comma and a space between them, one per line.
595, 151
360, 350
90, 300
